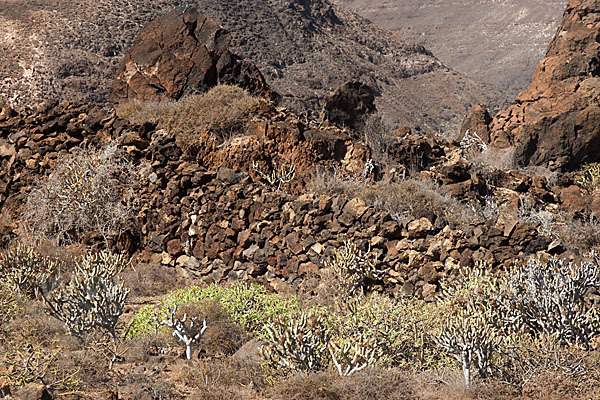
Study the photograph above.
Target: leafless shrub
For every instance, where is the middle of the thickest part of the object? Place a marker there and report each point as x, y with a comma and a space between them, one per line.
486, 159
92, 298
187, 334
223, 111
331, 182
582, 235
472, 141
405, 198
298, 344
377, 135
354, 268
88, 192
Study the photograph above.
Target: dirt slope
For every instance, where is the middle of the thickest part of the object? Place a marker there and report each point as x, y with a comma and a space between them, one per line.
495, 41
69, 49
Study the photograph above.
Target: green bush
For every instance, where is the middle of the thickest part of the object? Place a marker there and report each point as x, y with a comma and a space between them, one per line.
249, 305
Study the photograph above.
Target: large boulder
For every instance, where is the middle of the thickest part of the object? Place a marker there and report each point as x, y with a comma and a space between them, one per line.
181, 53
477, 121
556, 121
349, 104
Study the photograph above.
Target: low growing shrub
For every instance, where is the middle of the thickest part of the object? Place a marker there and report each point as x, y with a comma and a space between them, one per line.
88, 192
249, 305
223, 111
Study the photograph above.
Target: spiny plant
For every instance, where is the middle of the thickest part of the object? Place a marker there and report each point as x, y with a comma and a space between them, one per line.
298, 343
88, 192
355, 268
351, 357
92, 299
550, 299
27, 271
278, 176
588, 177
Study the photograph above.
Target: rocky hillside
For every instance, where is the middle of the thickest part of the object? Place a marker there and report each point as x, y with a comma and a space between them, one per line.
499, 42
554, 122
304, 49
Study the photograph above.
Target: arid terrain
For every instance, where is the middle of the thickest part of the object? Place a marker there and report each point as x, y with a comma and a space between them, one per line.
68, 50
499, 42
279, 199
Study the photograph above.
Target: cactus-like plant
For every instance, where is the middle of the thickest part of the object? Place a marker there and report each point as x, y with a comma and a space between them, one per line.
550, 299
299, 344
278, 175
470, 339
355, 267
186, 334
588, 178
92, 298
27, 271
354, 356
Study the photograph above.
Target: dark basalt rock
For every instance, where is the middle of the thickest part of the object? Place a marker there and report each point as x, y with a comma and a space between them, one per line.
181, 53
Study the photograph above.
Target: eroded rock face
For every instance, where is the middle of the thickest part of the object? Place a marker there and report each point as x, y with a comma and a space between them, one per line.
555, 122
477, 121
348, 104
181, 53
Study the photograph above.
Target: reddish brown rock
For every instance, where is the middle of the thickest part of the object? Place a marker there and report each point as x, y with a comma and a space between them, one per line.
477, 121
572, 199
180, 53
556, 121
348, 104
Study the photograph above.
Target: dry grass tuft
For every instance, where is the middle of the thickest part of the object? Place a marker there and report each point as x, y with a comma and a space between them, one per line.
223, 111
413, 198
138, 112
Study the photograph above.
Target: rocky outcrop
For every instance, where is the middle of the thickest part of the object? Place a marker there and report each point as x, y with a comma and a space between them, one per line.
181, 53
348, 104
556, 121
477, 121
214, 217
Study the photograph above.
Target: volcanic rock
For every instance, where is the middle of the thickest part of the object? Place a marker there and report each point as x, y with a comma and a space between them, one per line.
555, 122
181, 53
477, 121
349, 104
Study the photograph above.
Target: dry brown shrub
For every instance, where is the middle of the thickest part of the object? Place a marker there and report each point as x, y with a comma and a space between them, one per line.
223, 111
140, 112
450, 385
149, 280
330, 183
367, 384
553, 385
223, 337
220, 373
89, 191
377, 134
580, 234
413, 198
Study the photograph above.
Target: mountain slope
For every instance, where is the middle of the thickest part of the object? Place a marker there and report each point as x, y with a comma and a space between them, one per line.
496, 41
69, 50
